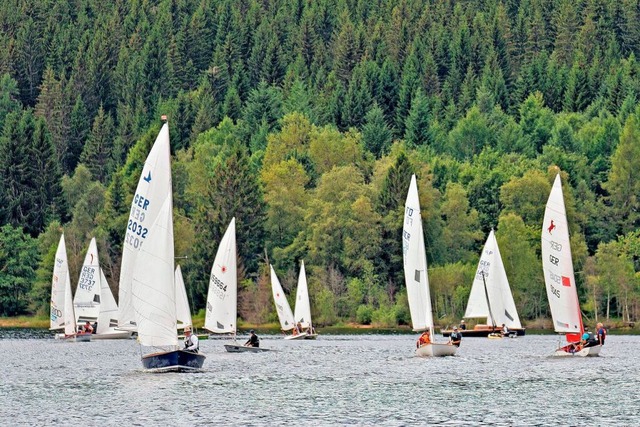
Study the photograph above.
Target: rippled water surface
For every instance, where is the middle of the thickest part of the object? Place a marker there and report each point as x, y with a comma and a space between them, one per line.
336, 380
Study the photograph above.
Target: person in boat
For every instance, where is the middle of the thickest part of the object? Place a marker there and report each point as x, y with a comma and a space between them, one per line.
505, 330
463, 326
455, 337
88, 329
95, 326
588, 339
298, 328
424, 339
601, 333
253, 340
191, 343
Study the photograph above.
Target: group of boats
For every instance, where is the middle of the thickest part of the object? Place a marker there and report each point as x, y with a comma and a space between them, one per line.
153, 302
491, 296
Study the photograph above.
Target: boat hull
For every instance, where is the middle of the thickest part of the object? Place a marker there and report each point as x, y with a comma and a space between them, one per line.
436, 350
484, 332
74, 338
173, 361
118, 335
593, 351
304, 336
237, 348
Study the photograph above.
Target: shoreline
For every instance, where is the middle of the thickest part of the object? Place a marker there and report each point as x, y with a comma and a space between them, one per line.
42, 323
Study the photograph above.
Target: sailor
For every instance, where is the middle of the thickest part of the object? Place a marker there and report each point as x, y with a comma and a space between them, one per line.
253, 340
463, 325
88, 329
505, 330
601, 332
455, 337
190, 341
424, 339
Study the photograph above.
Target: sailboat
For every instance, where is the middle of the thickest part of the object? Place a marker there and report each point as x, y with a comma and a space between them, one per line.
559, 276
222, 298
302, 315
415, 275
147, 281
491, 297
93, 301
62, 316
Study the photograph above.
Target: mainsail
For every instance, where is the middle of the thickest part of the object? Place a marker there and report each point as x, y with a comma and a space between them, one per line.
558, 266
62, 316
153, 186
303, 307
283, 309
222, 299
415, 262
86, 301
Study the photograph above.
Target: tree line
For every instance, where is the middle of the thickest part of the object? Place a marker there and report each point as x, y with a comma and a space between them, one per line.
305, 121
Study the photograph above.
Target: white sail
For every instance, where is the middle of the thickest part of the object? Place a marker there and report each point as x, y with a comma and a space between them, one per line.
153, 288
183, 312
153, 186
558, 266
107, 319
503, 308
86, 301
62, 316
415, 262
285, 315
222, 299
303, 307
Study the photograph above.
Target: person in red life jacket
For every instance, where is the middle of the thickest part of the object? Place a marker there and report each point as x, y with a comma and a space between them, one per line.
88, 329
424, 339
601, 332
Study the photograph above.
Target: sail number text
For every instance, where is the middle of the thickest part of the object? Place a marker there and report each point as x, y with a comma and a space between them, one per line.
86, 278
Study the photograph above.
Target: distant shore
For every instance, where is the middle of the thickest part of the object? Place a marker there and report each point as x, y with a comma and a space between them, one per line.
42, 322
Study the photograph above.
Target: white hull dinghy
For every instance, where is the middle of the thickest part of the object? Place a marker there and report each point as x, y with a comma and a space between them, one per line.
416, 278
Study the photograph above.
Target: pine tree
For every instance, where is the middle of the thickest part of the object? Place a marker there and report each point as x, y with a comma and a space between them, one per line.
96, 154
376, 135
418, 121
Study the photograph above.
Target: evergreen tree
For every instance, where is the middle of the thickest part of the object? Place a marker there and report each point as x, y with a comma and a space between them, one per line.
96, 154
418, 121
376, 135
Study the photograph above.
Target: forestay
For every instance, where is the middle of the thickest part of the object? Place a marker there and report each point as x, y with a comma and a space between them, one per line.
558, 266
283, 309
415, 262
222, 298
153, 186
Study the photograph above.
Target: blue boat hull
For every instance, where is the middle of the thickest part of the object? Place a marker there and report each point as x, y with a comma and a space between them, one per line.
173, 361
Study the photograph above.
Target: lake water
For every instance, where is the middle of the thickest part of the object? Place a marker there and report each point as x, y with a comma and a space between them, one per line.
336, 380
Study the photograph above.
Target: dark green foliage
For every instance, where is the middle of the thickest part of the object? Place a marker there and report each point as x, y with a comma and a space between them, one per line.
18, 264
486, 96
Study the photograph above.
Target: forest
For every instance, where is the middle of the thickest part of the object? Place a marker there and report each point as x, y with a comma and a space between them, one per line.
305, 120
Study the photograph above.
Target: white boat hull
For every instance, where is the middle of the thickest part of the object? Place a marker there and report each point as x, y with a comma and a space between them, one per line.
585, 352
436, 350
304, 336
74, 338
118, 335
